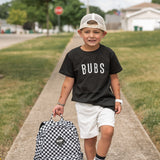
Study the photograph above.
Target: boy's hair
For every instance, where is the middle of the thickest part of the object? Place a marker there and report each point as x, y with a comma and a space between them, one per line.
93, 20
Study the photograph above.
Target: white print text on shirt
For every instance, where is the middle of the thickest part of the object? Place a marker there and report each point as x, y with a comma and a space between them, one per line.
92, 68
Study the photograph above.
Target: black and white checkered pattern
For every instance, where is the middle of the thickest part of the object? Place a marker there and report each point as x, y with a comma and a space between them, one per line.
58, 141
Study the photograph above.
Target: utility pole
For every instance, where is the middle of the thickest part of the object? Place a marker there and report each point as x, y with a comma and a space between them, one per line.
87, 8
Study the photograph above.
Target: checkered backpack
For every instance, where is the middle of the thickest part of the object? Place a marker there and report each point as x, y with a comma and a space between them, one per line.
58, 141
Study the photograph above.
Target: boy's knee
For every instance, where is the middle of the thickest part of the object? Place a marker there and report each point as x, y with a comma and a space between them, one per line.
107, 131
90, 140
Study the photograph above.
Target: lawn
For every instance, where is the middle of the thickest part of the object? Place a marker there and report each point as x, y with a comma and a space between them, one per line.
26, 68
139, 54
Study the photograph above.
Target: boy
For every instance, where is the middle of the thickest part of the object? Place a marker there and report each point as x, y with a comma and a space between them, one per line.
91, 70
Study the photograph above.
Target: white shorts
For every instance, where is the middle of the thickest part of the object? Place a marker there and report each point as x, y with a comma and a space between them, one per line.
91, 117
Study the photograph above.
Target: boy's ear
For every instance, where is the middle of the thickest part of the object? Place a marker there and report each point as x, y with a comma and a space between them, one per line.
104, 33
79, 32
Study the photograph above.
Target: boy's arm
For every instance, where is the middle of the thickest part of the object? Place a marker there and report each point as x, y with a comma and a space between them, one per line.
65, 91
115, 85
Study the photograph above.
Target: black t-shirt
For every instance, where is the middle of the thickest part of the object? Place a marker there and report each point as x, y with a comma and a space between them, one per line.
91, 71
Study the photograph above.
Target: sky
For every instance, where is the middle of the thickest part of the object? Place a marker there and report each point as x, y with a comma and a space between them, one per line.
107, 5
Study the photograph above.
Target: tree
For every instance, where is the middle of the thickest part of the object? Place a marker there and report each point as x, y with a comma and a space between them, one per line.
17, 17
46, 3
156, 1
35, 11
113, 11
97, 10
4, 10
42, 11
72, 12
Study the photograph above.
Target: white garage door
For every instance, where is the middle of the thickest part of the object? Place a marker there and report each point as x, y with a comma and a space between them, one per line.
146, 24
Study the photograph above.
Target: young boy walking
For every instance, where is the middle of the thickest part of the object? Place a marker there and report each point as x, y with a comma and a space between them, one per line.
91, 71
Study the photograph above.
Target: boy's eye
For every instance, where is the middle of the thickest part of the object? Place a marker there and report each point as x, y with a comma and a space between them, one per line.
93, 32
96, 32
86, 32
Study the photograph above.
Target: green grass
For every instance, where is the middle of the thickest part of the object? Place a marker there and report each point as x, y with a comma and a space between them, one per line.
139, 54
26, 68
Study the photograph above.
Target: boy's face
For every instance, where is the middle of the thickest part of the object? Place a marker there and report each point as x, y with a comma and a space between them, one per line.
91, 36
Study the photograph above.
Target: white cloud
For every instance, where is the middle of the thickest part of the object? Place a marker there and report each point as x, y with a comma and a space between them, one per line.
4, 1
106, 5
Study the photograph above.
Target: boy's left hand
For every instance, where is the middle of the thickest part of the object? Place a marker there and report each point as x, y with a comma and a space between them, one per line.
118, 107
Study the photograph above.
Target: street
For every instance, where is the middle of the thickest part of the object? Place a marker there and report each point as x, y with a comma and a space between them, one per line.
7, 40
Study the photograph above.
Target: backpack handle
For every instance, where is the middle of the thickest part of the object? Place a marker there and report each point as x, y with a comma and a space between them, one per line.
61, 117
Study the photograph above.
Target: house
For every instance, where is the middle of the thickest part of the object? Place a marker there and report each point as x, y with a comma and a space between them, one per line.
9, 28
145, 16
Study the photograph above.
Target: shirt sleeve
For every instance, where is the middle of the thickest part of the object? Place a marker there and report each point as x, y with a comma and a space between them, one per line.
115, 66
67, 67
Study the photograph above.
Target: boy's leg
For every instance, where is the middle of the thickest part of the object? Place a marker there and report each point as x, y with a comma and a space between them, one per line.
105, 140
90, 148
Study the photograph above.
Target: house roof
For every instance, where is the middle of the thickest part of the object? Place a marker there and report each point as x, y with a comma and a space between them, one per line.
142, 11
144, 5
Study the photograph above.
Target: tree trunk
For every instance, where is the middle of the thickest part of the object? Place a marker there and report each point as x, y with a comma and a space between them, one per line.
16, 28
47, 17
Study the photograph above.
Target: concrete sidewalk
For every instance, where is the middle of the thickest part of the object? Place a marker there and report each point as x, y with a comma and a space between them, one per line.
130, 141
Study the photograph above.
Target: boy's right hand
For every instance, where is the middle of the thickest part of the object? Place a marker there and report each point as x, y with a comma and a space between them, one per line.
58, 110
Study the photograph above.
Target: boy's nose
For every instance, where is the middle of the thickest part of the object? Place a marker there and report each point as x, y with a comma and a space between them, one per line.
91, 34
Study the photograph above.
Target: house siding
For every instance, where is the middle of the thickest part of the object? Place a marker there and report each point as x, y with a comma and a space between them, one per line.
146, 18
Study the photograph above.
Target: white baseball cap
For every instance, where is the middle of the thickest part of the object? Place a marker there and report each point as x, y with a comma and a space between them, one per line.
95, 17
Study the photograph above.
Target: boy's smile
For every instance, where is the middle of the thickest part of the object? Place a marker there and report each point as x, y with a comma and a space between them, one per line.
91, 38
